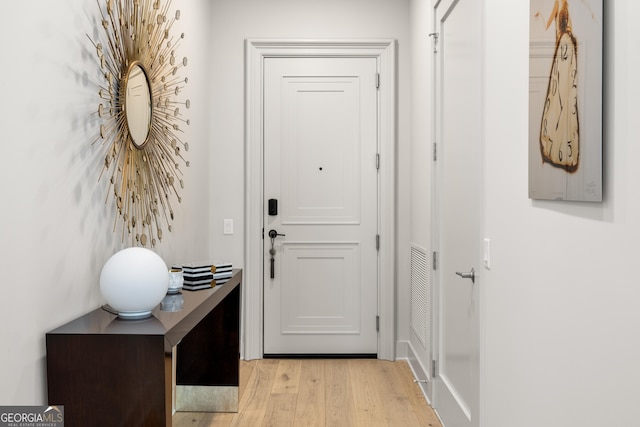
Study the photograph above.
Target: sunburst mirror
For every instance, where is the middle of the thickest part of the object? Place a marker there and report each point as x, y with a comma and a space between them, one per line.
141, 115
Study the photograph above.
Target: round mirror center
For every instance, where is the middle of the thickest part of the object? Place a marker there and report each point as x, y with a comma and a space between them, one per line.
138, 105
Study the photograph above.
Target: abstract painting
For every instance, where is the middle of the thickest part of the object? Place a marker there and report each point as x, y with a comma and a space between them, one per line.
565, 100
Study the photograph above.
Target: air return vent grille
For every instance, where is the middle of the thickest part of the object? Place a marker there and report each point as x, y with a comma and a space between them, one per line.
420, 295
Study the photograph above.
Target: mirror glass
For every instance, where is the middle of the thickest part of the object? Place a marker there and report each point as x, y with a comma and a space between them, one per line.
138, 105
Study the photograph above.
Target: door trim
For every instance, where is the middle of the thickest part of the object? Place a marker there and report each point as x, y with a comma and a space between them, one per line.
384, 50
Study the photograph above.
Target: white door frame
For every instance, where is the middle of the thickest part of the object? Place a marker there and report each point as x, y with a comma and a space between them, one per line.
252, 295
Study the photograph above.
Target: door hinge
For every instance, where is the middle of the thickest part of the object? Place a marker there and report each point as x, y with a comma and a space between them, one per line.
378, 161
435, 151
435, 41
377, 242
434, 260
377, 80
434, 369
377, 323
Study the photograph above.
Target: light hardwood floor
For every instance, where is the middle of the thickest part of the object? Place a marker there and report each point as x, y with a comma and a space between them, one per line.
322, 392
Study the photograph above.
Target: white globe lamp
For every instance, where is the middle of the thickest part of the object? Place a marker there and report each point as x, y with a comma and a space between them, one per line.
134, 281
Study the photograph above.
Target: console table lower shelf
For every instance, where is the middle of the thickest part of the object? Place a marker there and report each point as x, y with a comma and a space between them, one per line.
112, 372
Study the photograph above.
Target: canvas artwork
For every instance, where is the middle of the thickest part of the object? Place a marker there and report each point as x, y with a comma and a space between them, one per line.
565, 100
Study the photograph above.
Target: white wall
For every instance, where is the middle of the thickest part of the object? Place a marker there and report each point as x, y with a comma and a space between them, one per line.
54, 227
560, 305
561, 301
233, 22
421, 150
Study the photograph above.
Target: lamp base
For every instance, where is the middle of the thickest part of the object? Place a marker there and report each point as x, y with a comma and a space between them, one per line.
134, 315
128, 315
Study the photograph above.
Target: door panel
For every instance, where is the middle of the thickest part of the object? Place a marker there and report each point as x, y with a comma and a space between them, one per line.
322, 183
459, 218
320, 293
320, 144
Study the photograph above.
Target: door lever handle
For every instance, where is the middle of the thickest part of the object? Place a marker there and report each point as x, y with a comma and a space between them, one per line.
470, 275
273, 234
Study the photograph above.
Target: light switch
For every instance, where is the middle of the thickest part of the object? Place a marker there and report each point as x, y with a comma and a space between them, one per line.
487, 253
228, 226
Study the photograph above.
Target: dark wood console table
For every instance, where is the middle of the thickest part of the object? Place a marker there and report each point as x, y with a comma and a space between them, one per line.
112, 372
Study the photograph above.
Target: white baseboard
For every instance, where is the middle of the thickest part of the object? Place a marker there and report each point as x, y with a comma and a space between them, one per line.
402, 348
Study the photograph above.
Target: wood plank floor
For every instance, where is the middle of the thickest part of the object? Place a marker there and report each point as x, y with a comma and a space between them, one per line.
322, 392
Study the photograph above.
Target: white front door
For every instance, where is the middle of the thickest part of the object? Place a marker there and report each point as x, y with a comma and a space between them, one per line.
458, 225
320, 144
